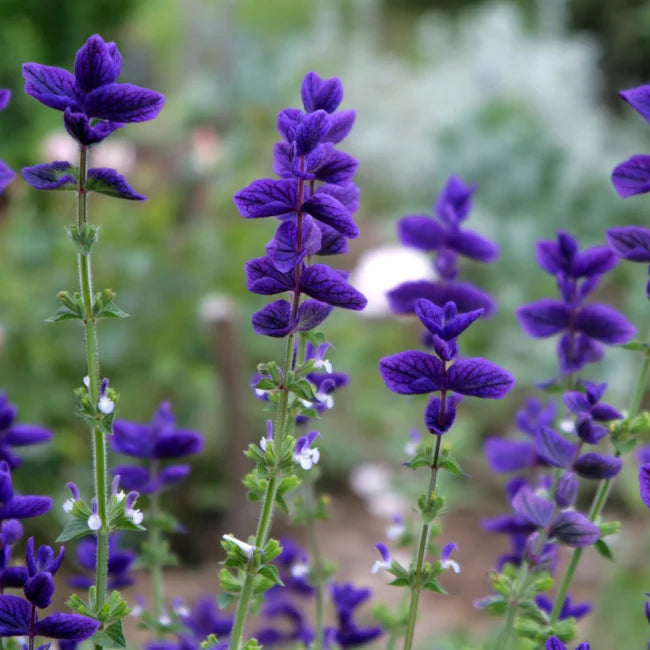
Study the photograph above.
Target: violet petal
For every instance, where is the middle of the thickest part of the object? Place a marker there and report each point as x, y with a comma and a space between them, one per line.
480, 378
411, 372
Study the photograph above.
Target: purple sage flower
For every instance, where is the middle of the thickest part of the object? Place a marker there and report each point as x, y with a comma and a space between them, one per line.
348, 634
156, 441
6, 175
553, 643
17, 435
584, 327
94, 105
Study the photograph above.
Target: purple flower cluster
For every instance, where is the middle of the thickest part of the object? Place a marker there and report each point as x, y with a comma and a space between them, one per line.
415, 373
17, 435
314, 201
157, 441
447, 240
583, 327
6, 175
94, 105
18, 615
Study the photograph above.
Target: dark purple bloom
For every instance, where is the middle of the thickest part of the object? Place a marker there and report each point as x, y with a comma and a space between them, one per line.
566, 492
644, 483
553, 643
158, 440
467, 297
347, 599
630, 242
16, 435
509, 455
295, 628
583, 327
444, 235
569, 609
6, 175
206, 619
91, 93
18, 507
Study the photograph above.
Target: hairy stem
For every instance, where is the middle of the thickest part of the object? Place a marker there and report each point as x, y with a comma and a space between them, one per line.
422, 547
92, 360
155, 540
264, 522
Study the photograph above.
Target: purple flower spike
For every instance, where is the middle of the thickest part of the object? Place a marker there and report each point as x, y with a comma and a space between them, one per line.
321, 94
597, 466
553, 448
91, 92
569, 609
566, 492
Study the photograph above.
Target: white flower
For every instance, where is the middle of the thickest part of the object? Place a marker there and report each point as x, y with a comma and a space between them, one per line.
165, 620
396, 529
134, 515
68, 504
325, 399
304, 455
106, 405
87, 381
94, 522
299, 569
263, 443
566, 425
120, 496
385, 561
247, 549
323, 363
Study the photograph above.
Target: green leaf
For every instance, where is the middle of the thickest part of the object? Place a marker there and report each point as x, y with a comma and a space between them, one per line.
271, 574
75, 529
450, 464
83, 238
433, 585
111, 637
603, 548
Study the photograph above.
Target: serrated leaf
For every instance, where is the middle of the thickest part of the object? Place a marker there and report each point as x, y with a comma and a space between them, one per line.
433, 585
111, 310
450, 464
75, 529
111, 637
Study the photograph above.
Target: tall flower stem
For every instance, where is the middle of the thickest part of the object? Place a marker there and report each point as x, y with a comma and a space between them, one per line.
92, 360
264, 522
605, 485
155, 540
422, 547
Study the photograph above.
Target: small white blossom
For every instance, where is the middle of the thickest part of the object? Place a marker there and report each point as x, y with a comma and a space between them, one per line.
106, 405
165, 620
263, 443
247, 549
306, 403
323, 363
396, 529
182, 610
325, 399
120, 496
566, 425
385, 561
299, 569
68, 504
134, 515
87, 381
94, 522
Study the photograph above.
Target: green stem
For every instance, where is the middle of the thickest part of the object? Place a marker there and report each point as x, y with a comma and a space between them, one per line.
92, 360
266, 516
422, 547
155, 541
317, 566
604, 487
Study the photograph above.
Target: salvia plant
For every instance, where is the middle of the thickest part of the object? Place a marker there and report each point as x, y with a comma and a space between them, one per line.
570, 442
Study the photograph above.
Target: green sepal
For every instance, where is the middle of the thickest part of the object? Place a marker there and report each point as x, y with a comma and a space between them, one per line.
252, 644
495, 605
303, 389
266, 384
501, 582
609, 528
72, 307
104, 306
531, 610
210, 642
529, 628
433, 585
400, 573
111, 637
565, 629
637, 346
83, 238
543, 582
229, 583
256, 486
271, 574
76, 604
603, 548
430, 507
271, 550
447, 462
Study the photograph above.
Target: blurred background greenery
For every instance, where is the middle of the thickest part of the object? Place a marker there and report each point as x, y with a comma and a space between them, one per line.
518, 97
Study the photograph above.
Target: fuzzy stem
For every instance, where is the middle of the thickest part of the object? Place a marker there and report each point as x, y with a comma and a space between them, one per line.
155, 540
92, 360
605, 485
264, 522
422, 547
